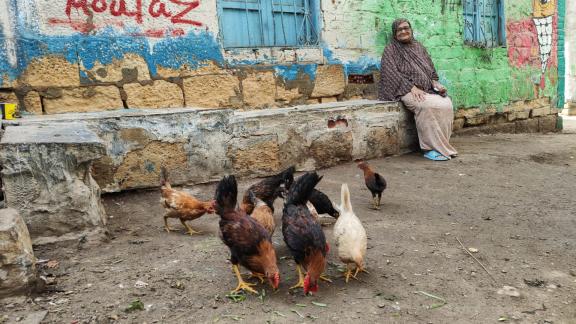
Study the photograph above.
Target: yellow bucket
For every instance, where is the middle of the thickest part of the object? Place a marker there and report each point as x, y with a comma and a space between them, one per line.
8, 110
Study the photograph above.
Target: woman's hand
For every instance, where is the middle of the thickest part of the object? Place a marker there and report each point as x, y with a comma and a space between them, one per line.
441, 89
418, 94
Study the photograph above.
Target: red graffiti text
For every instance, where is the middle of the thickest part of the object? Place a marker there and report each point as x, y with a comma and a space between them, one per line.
157, 9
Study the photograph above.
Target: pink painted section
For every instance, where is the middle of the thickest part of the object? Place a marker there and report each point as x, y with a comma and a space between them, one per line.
523, 48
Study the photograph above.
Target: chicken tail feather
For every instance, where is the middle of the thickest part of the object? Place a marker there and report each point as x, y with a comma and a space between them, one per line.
345, 199
288, 176
226, 193
302, 189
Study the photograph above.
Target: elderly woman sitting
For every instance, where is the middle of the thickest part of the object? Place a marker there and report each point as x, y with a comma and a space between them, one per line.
408, 75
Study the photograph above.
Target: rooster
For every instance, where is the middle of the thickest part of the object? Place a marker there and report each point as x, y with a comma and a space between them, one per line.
262, 213
303, 235
322, 204
249, 243
375, 183
181, 205
350, 236
268, 189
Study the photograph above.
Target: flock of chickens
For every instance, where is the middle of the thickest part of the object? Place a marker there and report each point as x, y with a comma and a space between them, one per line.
247, 228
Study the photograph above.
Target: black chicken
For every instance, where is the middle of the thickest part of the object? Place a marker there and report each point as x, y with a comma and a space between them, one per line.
268, 189
322, 204
303, 235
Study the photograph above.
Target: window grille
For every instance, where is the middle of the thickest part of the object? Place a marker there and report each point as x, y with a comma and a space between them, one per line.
269, 23
484, 24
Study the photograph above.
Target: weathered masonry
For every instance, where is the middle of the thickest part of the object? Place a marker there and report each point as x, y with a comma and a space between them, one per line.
83, 56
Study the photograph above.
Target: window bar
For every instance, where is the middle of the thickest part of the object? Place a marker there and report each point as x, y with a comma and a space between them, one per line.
281, 21
262, 38
247, 22
306, 20
296, 22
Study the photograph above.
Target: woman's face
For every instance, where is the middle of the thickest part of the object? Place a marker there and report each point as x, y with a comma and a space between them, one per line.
404, 33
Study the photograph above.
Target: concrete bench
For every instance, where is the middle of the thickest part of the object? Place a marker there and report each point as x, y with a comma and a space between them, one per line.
200, 145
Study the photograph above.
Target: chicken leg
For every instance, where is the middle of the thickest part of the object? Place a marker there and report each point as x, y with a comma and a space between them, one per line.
375, 204
379, 199
348, 272
257, 275
300, 283
359, 269
166, 227
242, 285
191, 231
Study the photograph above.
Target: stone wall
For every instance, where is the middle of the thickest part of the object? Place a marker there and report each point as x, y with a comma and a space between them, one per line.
71, 56
200, 145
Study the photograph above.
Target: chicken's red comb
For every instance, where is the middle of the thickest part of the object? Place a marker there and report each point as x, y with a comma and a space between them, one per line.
327, 248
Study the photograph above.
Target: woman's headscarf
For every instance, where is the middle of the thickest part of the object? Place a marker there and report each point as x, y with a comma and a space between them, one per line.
411, 57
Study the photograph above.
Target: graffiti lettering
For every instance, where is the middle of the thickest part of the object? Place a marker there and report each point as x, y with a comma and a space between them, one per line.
121, 10
179, 18
99, 6
77, 4
160, 11
118, 8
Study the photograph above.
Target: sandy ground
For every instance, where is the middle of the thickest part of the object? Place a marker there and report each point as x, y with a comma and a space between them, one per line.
511, 197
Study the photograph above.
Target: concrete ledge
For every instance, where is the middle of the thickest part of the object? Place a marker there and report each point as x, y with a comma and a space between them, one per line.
199, 145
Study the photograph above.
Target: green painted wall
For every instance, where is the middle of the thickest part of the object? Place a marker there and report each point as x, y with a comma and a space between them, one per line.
475, 77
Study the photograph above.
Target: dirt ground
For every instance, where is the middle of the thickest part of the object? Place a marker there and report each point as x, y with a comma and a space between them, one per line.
511, 197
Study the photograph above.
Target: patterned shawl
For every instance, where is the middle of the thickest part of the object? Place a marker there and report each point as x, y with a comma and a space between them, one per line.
404, 66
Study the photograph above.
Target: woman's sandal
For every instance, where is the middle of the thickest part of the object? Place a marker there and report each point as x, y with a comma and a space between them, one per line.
435, 156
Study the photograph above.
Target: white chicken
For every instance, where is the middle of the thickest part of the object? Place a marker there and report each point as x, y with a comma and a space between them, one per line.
350, 236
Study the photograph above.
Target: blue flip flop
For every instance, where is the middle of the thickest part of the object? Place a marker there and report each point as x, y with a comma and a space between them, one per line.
435, 156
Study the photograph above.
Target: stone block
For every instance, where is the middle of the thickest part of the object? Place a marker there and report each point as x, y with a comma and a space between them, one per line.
185, 70
527, 126
85, 99
8, 97
330, 81
331, 148
140, 168
476, 120
46, 177
537, 112
33, 103
50, 71
130, 68
17, 262
458, 124
160, 94
255, 155
211, 91
519, 115
381, 141
287, 95
547, 124
328, 99
259, 90
467, 113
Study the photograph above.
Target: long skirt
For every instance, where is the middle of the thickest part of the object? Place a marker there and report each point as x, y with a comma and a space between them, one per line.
434, 117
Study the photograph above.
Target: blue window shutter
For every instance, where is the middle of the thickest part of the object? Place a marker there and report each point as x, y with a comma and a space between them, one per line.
484, 24
265, 23
470, 22
289, 24
241, 23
